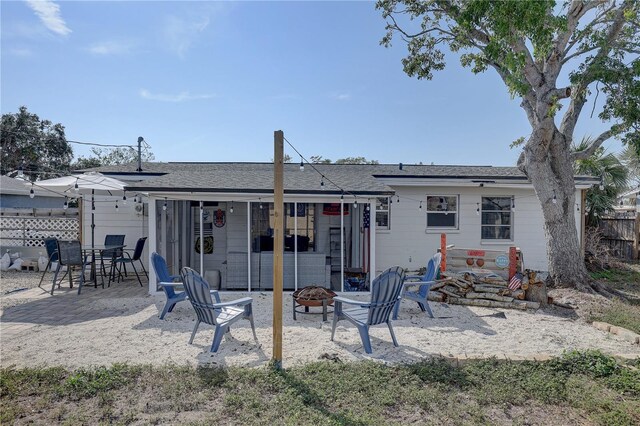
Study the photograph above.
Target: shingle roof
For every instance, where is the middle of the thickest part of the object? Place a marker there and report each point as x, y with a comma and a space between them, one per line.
9, 185
258, 177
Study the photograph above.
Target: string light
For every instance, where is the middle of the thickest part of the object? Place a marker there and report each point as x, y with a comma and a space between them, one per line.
555, 199
135, 198
601, 186
478, 209
66, 203
116, 204
164, 206
513, 203
231, 208
322, 183
420, 207
367, 208
398, 199
260, 201
75, 187
20, 172
124, 199
301, 165
32, 193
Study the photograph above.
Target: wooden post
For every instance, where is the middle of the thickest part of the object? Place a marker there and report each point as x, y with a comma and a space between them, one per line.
636, 237
278, 244
513, 261
443, 252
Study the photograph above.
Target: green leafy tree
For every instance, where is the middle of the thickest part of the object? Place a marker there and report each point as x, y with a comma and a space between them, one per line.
631, 160
111, 156
613, 174
356, 160
533, 45
38, 146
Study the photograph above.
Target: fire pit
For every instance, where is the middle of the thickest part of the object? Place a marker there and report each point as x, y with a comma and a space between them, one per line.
312, 296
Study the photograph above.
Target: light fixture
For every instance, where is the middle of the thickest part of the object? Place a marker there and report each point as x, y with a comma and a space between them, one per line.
478, 209
32, 193
355, 203
135, 198
66, 203
20, 172
322, 183
231, 208
420, 207
301, 165
124, 199
75, 187
555, 199
398, 199
116, 204
164, 206
513, 203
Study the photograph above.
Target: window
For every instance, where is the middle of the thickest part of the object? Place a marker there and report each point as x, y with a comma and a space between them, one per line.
442, 211
382, 213
497, 219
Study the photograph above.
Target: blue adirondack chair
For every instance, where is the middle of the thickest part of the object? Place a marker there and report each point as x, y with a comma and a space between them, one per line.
167, 283
417, 288
219, 314
385, 294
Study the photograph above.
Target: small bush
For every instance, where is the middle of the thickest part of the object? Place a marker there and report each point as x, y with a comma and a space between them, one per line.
591, 362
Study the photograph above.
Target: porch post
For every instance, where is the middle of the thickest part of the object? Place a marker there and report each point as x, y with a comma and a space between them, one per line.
153, 244
249, 246
295, 245
342, 243
201, 239
372, 242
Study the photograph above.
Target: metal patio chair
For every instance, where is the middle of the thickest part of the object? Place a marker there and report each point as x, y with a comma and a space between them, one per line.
70, 255
122, 261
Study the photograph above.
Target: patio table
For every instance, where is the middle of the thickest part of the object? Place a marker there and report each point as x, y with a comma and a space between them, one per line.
97, 249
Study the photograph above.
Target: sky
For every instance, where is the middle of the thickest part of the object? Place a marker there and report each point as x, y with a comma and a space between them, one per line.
212, 81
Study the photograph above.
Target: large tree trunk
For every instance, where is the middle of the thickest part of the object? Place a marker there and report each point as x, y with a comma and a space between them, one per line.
549, 166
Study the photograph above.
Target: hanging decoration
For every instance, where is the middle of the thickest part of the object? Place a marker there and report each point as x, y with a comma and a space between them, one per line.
219, 218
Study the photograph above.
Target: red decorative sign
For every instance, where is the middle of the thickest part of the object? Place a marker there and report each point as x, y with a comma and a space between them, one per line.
476, 253
219, 218
333, 209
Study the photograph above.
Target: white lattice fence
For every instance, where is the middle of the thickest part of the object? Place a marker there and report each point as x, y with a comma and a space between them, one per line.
31, 231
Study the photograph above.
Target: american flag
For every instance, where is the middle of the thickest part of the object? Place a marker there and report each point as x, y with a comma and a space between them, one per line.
516, 281
366, 218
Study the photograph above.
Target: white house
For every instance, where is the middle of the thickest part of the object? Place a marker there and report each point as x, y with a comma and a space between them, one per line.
391, 215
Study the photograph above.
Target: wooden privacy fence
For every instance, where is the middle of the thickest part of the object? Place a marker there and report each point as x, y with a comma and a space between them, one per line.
29, 227
621, 235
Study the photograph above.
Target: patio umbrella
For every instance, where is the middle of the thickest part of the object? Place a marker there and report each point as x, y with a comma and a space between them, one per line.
88, 183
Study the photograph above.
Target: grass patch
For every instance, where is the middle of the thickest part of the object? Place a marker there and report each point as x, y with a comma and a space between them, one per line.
579, 385
621, 314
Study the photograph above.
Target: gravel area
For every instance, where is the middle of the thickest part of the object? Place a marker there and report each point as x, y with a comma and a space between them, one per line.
101, 327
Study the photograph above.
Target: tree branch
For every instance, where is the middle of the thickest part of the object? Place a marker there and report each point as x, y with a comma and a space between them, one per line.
578, 98
588, 152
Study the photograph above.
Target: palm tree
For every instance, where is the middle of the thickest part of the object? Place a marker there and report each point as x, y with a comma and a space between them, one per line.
613, 175
630, 157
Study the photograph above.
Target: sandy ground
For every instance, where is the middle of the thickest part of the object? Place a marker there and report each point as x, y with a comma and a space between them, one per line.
100, 327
